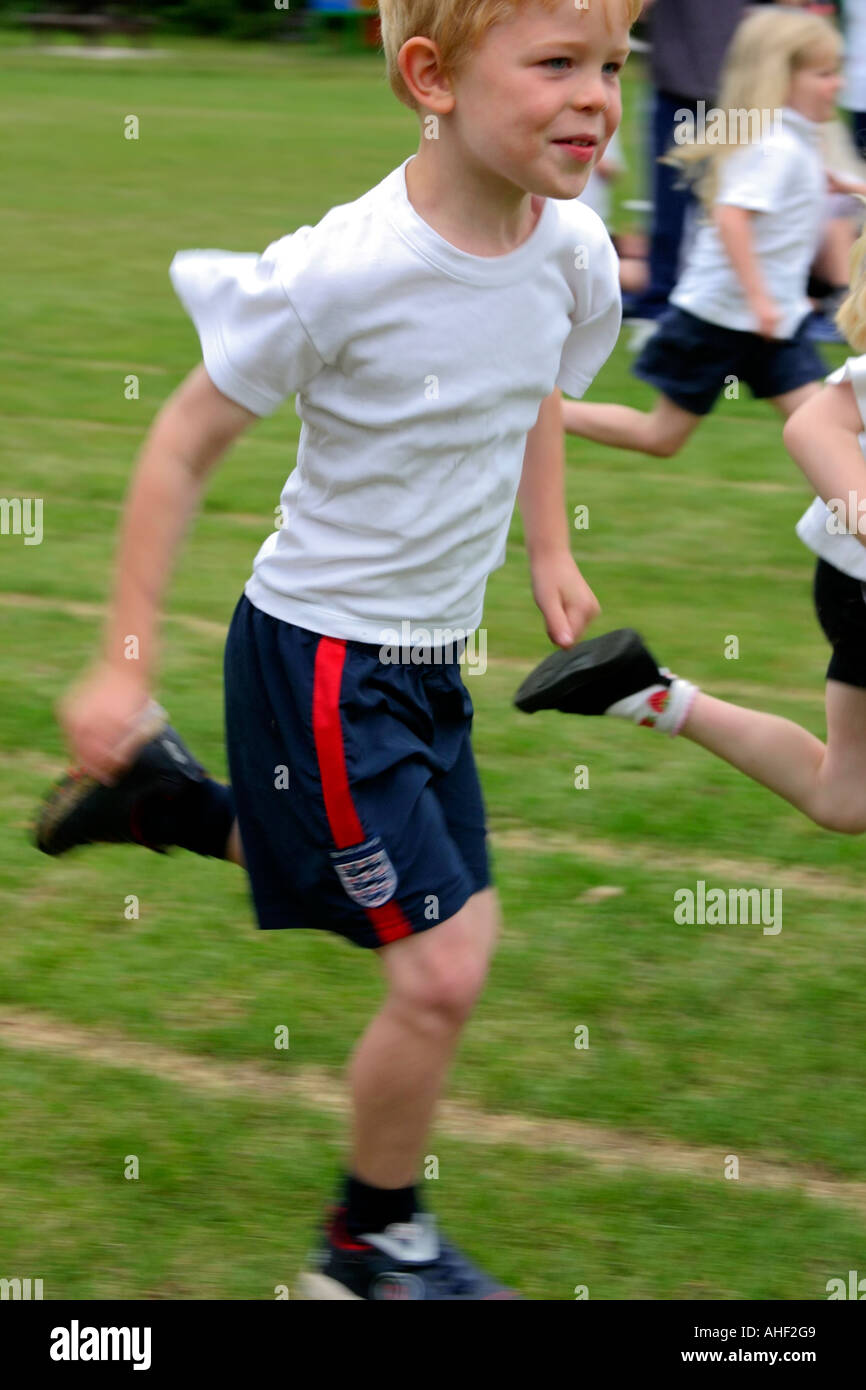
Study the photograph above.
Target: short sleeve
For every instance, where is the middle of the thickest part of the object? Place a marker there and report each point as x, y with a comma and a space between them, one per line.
854, 371
256, 350
754, 177
597, 319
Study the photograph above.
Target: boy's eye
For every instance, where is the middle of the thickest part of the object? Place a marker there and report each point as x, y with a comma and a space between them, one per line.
610, 69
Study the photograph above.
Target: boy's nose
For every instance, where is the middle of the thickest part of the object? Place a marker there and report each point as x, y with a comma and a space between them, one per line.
590, 97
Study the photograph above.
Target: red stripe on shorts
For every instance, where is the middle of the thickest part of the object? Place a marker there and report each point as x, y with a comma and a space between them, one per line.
388, 921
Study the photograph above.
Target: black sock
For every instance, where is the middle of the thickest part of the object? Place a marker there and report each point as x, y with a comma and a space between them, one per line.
199, 818
373, 1208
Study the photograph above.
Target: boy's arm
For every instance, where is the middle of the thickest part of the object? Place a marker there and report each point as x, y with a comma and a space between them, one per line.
564, 597
734, 226
822, 437
191, 433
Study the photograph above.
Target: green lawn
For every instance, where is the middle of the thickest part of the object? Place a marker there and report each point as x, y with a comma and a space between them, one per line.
718, 1039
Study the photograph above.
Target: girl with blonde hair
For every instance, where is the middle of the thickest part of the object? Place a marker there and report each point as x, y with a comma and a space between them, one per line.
739, 311
616, 674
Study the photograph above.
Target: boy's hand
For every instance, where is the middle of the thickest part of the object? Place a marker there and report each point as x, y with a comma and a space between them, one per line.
564, 597
768, 314
101, 717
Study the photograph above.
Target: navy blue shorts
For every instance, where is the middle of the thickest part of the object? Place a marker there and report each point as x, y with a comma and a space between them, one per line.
358, 800
690, 361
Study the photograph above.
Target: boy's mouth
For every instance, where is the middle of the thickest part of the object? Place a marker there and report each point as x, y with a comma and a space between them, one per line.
580, 147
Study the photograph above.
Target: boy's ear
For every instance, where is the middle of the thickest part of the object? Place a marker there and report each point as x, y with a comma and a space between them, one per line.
423, 72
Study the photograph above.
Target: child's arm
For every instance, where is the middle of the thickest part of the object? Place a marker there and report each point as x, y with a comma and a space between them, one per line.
190, 434
845, 183
822, 437
735, 229
565, 599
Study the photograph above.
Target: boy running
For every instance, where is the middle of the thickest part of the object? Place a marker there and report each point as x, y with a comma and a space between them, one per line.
427, 329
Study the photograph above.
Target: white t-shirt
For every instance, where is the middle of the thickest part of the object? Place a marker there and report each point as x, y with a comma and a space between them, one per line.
854, 17
817, 527
419, 370
782, 177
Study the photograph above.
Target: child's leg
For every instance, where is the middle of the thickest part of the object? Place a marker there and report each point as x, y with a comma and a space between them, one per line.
617, 675
825, 782
791, 400
399, 1067
688, 363
662, 431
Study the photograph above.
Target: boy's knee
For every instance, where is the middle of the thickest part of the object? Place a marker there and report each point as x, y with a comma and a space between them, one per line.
452, 987
664, 447
441, 973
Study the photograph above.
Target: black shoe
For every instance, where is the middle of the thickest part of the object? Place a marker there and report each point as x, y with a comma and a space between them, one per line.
81, 811
592, 676
406, 1261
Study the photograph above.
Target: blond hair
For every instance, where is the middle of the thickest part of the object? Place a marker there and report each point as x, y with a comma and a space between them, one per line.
851, 318
768, 49
457, 27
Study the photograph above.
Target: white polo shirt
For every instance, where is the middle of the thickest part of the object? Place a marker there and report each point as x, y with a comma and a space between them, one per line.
782, 177
419, 370
816, 528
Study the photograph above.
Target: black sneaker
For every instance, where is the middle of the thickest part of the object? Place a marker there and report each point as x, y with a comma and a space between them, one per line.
592, 676
79, 810
615, 674
405, 1261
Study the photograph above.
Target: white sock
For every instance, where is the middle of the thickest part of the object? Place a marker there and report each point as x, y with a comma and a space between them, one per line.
662, 707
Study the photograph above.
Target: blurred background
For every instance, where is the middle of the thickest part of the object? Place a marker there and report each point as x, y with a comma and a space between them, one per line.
138, 1002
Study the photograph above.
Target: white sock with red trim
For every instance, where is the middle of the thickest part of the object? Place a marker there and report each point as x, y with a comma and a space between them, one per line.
664, 707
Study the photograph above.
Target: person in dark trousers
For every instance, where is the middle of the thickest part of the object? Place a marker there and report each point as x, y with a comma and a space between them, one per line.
689, 39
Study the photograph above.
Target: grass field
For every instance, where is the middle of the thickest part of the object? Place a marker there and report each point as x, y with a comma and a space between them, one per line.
558, 1167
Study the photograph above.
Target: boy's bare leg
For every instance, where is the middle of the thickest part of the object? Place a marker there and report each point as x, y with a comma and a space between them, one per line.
827, 782
399, 1067
662, 431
